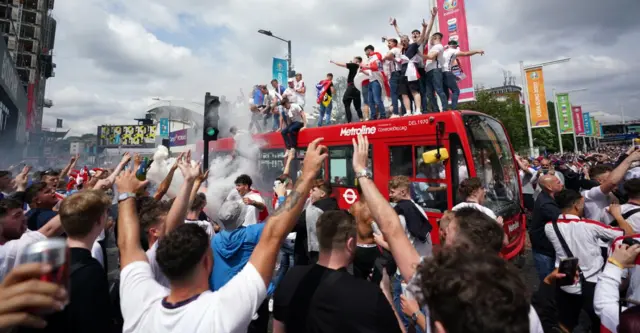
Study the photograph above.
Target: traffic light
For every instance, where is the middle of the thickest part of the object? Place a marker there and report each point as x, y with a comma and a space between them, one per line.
211, 117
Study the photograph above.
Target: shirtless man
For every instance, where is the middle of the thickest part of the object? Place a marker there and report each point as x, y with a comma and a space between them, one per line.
367, 251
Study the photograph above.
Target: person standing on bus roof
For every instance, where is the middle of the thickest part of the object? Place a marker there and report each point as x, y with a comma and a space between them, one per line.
377, 80
300, 89
326, 90
435, 61
351, 93
450, 66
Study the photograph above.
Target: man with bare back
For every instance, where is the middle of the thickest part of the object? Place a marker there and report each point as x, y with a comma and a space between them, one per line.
367, 251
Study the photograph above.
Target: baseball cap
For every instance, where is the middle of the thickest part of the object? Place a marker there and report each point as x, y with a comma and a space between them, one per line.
231, 215
291, 79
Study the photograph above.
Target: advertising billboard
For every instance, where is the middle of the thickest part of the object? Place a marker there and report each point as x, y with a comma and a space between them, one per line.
537, 98
178, 138
587, 123
128, 136
452, 23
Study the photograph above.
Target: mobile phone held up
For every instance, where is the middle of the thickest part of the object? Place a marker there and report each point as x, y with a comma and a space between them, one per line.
568, 267
630, 241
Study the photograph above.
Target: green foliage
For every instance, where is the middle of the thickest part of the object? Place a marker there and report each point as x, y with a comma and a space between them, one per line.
513, 116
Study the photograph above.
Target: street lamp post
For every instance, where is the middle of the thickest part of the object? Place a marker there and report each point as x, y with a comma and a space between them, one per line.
523, 76
555, 104
289, 61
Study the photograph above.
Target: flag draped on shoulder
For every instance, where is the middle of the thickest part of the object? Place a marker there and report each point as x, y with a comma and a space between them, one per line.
321, 88
376, 72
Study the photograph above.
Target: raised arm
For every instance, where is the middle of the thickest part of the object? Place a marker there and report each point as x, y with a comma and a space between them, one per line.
405, 255
282, 221
178, 211
338, 64
618, 173
69, 166
394, 23
426, 28
53, 228
202, 177
470, 53
124, 161
287, 165
166, 182
128, 223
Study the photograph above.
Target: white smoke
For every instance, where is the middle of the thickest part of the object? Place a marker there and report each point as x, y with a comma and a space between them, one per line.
223, 170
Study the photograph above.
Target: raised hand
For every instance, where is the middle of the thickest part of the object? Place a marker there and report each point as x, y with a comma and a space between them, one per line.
434, 11
189, 172
137, 161
174, 167
202, 176
127, 182
314, 157
360, 153
22, 179
125, 158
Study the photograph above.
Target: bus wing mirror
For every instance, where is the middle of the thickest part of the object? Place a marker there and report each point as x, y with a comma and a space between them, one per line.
435, 156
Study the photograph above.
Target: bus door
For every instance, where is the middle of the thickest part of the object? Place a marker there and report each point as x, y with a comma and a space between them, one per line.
341, 174
430, 182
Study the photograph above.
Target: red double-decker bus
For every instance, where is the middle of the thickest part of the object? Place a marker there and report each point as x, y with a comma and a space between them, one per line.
476, 145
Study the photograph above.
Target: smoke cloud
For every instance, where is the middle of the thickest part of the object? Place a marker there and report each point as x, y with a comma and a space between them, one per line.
223, 169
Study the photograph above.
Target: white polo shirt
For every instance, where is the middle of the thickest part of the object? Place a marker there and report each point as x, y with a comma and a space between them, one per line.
229, 309
475, 206
582, 237
449, 56
439, 61
11, 251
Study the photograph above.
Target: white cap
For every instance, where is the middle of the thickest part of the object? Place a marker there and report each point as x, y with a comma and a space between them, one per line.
290, 79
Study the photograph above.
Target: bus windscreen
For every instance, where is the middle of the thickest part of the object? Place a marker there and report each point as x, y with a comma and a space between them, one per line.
494, 164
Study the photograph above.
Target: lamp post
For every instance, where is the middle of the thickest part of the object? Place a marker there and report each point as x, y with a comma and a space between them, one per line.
523, 76
555, 104
289, 62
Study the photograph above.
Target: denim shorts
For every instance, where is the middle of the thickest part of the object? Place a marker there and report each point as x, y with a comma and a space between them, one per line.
365, 94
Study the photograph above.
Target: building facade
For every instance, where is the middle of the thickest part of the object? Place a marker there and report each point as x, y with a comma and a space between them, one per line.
29, 29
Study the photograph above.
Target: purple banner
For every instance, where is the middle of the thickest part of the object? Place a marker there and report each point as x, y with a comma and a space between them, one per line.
178, 138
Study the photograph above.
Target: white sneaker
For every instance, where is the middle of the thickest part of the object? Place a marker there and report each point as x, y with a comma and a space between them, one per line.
394, 116
417, 113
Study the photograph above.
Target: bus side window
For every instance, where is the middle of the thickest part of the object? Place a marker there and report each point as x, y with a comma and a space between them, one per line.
341, 166
296, 165
400, 161
429, 189
459, 163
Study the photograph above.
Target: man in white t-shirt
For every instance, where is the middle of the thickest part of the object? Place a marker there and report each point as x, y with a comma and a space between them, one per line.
185, 257
597, 199
252, 199
435, 62
300, 90
14, 236
193, 215
450, 80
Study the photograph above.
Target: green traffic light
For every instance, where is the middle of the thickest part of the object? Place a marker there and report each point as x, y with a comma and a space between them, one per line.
211, 131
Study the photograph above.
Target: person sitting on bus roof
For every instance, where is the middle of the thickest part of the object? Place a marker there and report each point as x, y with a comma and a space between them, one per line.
296, 121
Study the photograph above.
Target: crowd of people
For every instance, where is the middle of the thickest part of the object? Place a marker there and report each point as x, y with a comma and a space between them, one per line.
310, 266
418, 71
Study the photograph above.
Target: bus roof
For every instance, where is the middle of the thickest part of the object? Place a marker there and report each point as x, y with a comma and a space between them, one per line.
377, 129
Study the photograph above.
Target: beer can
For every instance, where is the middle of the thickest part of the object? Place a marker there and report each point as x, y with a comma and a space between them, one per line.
53, 251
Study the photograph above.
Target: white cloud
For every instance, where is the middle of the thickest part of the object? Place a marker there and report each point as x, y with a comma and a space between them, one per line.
113, 56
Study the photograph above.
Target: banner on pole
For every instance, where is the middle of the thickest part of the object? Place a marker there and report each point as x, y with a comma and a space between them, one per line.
280, 69
564, 117
452, 22
537, 98
597, 128
593, 126
587, 123
164, 127
577, 119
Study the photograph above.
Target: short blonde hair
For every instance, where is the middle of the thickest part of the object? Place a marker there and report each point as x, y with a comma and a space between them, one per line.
80, 211
399, 182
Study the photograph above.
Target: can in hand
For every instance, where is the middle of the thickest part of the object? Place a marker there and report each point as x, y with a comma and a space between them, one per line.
54, 252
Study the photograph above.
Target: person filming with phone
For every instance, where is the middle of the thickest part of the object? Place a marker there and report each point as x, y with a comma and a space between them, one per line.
576, 244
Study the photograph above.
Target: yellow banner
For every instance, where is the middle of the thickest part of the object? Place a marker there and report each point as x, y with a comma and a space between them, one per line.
537, 98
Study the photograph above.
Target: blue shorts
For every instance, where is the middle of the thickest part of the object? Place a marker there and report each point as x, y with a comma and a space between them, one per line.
365, 94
